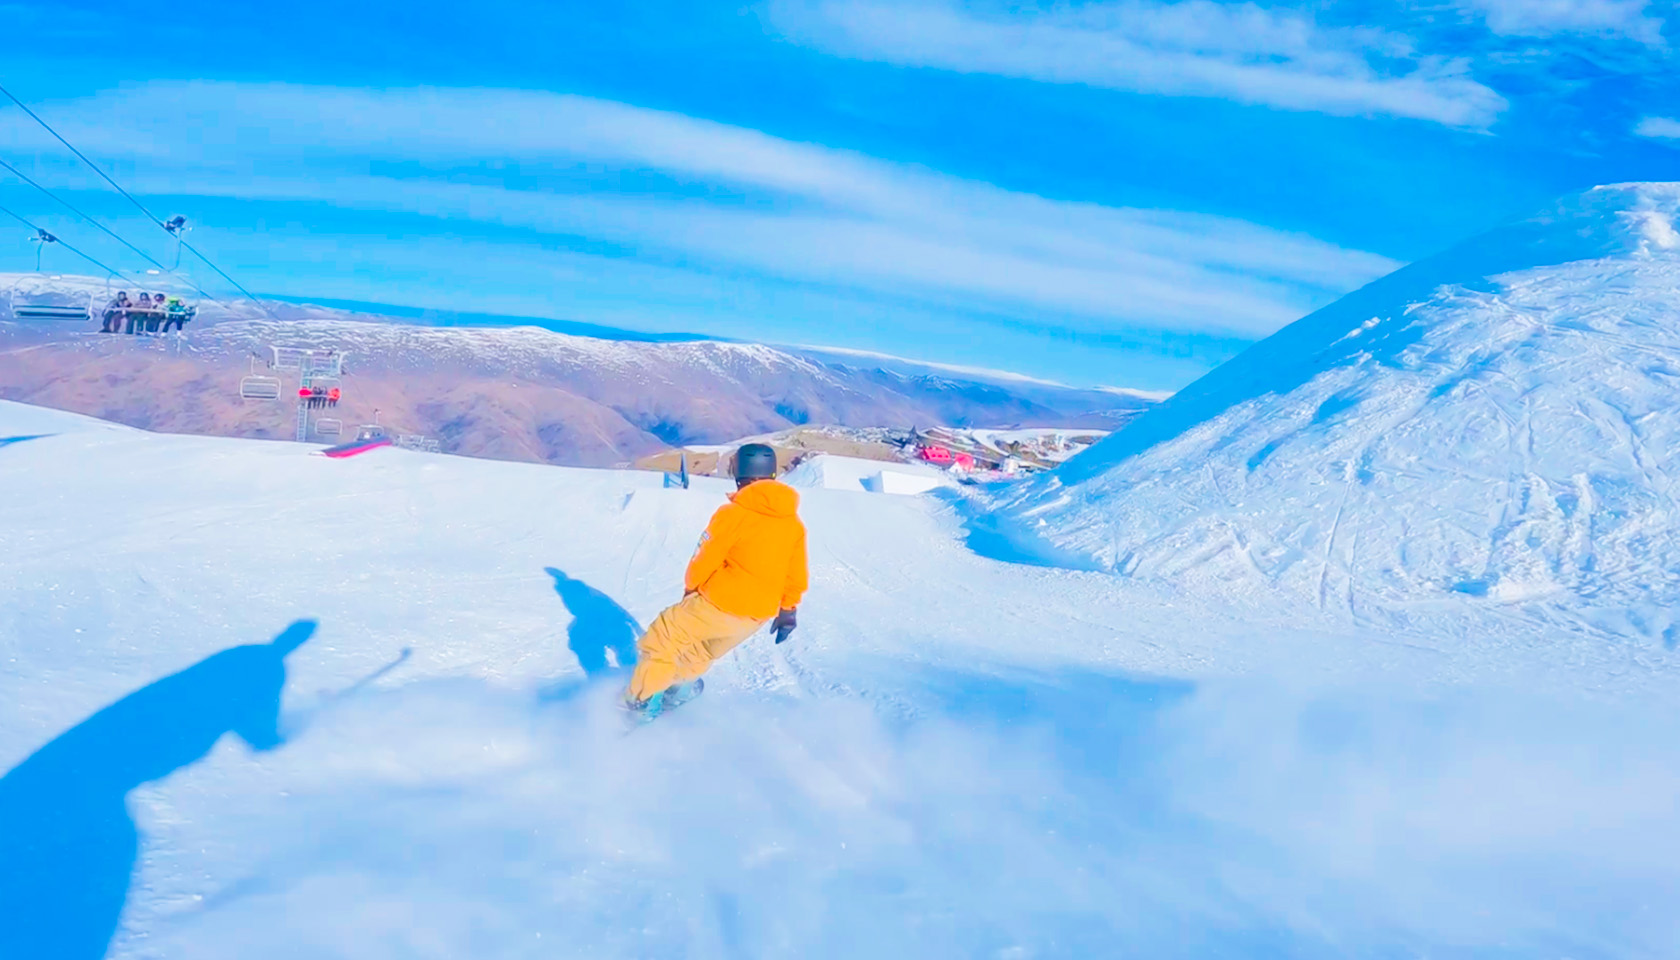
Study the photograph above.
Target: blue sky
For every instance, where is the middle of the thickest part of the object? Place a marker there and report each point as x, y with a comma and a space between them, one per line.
1118, 193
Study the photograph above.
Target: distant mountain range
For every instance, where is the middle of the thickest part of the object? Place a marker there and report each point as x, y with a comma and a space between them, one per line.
508, 392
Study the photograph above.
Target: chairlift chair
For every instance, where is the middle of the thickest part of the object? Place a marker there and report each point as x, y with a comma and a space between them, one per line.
259, 387
44, 311
329, 428
322, 363
288, 358
41, 309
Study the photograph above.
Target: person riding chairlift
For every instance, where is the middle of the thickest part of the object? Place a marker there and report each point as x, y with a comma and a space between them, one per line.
142, 313
136, 313
115, 312
155, 320
332, 397
174, 312
135, 321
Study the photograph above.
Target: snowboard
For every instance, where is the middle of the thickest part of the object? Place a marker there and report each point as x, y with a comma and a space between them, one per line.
673, 697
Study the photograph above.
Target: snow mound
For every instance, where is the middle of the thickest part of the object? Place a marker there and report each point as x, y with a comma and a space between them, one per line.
25, 422
830, 472
1499, 421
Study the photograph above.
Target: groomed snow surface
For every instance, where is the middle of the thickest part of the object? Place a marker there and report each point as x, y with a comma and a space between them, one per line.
826, 471
953, 757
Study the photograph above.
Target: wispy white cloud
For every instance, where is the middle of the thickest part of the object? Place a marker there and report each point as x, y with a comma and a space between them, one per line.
733, 199
1244, 52
1659, 128
985, 373
1544, 18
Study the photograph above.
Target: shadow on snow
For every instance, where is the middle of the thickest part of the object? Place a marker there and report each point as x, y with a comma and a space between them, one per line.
994, 537
69, 845
599, 626
1095, 719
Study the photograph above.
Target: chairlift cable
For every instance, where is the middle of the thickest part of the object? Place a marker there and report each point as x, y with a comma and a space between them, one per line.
38, 231
131, 199
93, 166
219, 272
112, 233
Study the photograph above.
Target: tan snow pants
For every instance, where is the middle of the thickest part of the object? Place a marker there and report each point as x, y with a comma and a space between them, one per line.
682, 643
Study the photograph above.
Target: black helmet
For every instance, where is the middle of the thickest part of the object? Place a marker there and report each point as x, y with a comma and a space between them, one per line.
755, 461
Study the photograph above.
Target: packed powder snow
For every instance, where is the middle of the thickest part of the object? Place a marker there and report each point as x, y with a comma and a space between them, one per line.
275, 705
1496, 423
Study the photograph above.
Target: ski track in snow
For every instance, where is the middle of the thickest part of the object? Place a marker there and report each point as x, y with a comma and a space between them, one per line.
954, 756
1471, 449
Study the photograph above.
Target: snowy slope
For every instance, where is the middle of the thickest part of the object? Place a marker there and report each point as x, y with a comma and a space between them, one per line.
1500, 423
954, 757
828, 471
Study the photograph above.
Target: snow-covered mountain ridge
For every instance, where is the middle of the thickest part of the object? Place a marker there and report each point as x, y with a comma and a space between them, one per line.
508, 392
512, 350
1501, 421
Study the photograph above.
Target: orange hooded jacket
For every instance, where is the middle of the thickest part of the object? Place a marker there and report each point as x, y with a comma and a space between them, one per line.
751, 560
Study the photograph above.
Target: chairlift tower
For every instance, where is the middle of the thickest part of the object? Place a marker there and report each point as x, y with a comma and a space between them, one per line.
322, 369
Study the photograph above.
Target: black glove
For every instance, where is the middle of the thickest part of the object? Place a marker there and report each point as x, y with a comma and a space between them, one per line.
784, 624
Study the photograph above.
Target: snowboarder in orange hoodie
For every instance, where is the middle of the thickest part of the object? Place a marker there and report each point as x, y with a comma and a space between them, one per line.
750, 568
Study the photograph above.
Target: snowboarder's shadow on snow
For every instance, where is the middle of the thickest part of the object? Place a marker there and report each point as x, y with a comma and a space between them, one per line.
602, 634
67, 843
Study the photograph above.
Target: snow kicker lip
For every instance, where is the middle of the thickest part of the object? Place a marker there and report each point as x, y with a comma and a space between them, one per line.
355, 447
